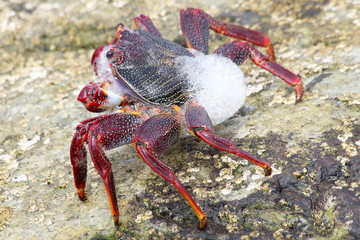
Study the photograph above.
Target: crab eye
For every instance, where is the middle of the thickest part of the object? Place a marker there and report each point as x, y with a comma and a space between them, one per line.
115, 56
109, 55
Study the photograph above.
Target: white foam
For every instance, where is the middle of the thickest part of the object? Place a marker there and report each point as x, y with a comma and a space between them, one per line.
219, 84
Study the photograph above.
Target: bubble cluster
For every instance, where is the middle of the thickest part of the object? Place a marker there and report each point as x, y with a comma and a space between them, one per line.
218, 84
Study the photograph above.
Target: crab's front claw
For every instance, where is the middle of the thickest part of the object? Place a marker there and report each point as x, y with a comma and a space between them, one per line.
90, 96
97, 99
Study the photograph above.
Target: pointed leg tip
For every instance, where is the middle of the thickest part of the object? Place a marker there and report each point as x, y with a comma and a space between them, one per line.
267, 170
298, 92
81, 194
203, 223
298, 98
116, 221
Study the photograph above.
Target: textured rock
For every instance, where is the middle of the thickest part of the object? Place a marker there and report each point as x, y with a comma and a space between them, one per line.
312, 146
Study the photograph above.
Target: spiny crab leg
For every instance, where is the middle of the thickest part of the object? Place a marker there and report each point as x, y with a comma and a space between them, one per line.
200, 125
144, 23
78, 160
101, 133
239, 51
195, 24
78, 154
154, 137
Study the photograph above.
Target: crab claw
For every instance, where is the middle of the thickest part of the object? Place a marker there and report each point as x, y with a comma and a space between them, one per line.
89, 98
97, 99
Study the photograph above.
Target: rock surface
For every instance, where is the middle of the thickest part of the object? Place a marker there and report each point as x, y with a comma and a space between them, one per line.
313, 146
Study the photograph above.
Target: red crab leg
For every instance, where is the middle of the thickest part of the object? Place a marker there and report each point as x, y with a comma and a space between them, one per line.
101, 133
78, 161
78, 154
195, 28
195, 24
239, 51
154, 137
144, 23
200, 125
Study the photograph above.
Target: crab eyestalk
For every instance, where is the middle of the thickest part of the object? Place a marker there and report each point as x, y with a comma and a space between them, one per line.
97, 99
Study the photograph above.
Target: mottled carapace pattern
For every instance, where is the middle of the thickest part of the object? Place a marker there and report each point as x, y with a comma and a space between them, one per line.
148, 67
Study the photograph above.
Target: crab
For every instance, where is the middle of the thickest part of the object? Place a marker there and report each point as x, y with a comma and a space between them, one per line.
149, 98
